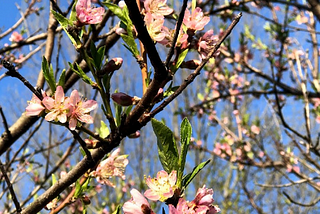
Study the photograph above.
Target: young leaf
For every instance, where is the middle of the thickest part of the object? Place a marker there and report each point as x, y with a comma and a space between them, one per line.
62, 78
185, 134
103, 130
167, 148
189, 177
65, 23
81, 73
48, 74
53, 179
117, 210
182, 56
117, 11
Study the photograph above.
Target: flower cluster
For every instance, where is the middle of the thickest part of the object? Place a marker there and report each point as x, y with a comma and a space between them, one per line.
15, 37
162, 187
113, 166
88, 15
202, 203
62, 109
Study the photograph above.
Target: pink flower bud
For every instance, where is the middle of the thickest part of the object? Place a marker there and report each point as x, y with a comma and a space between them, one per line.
113, 65
135, 135
191, 64
122, 99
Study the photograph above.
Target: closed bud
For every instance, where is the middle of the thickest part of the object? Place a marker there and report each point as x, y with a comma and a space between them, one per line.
113, 65
86, 200
191, 64
134, 135
123, 99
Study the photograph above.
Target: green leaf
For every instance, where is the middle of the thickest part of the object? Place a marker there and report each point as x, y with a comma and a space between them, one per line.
78, 190
182, 56
185, 135
103, 130
62, 78
170, 91
120, 13
117, 210
98, 55
130, 44
48, 74
53, 179
73, 14
167, 148
189, 177
81, 73
65, 23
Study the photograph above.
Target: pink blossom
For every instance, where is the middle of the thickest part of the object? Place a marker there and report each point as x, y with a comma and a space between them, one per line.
182, 40
154, 27
57, 107
35, 107
196, 20
124, 99
88, 15
79, 110
157, 8
114, 165
182, 207
255, 129
15, 37
162, 187
202, 204
207, 43
137, 204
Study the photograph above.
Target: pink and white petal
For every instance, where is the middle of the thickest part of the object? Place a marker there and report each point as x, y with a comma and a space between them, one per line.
138, 197
89, 105
34, 109
72, 123
59, 94
74, 98
150, 194
48, 102
51, 116
85, 118
62, 118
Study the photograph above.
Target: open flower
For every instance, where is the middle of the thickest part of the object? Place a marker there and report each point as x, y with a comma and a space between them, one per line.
162, 187
57, 107
86, 14
206, 43
202, 204
79, 110
114, 165
157, 8
35, 107
196, 20
15, 37
154, 27
137, 204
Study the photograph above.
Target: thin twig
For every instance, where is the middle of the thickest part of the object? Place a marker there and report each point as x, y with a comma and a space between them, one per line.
13, 194
192, 76
177, 31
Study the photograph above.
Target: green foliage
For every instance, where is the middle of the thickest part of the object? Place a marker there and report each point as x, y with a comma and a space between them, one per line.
48, 74
185, 135
97, 55
167, 148
123, 15
181, 57
81, 73
103, 130
62, 78
189, 177
65, 23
